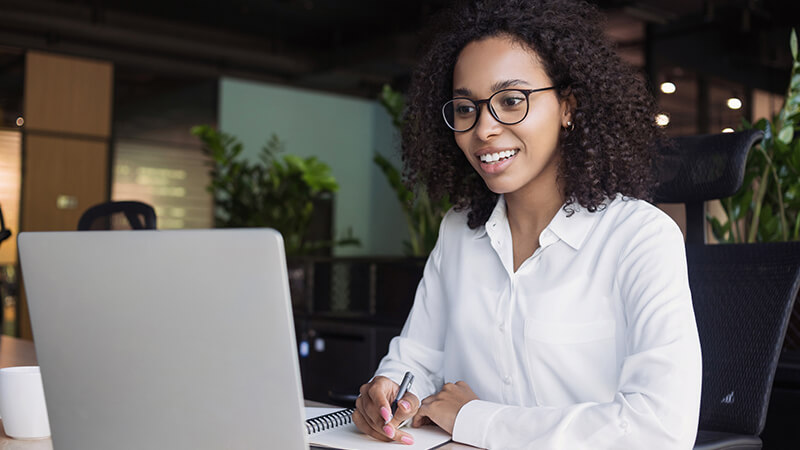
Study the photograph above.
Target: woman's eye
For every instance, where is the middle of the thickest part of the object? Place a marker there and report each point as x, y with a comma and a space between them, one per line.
465, 109
511, 101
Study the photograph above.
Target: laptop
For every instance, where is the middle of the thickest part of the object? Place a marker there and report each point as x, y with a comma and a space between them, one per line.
165, 339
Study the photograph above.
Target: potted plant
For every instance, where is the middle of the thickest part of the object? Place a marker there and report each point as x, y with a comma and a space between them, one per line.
767, 207
270, 192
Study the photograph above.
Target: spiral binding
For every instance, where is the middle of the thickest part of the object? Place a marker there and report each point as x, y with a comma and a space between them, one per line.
328, 421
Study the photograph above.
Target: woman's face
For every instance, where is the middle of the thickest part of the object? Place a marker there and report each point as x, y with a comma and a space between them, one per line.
485, 67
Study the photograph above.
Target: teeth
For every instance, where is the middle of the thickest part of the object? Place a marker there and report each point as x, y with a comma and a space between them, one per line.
492, 157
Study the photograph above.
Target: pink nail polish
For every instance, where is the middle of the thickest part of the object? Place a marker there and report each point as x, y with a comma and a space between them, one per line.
407, 440
386, 414
389, 431
405, 405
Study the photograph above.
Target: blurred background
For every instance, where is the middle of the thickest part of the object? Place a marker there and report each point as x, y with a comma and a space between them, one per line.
98, 100
98, 97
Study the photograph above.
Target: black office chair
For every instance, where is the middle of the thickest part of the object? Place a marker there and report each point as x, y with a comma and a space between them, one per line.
5, 233
140, 216
742, 293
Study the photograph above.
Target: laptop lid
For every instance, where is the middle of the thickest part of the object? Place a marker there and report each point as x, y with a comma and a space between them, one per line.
165, 339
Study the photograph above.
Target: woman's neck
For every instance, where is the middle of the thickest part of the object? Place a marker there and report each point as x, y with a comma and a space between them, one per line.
531, 210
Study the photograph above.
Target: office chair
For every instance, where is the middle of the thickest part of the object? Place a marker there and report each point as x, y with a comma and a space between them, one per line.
742, 293
5, 233
140, 216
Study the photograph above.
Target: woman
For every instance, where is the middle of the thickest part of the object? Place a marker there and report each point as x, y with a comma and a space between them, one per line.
554, 311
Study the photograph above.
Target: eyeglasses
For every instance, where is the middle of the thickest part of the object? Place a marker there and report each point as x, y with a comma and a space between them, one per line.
509, 107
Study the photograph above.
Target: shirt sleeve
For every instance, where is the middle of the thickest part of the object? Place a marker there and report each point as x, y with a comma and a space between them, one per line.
419, 347
657, 402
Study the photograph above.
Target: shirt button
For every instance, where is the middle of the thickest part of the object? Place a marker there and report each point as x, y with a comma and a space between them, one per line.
623, 425
507, 379
502, 327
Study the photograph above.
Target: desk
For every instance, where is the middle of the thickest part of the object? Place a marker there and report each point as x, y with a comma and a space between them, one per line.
19, 352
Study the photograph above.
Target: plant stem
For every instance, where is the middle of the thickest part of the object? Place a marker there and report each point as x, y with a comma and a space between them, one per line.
771, 166
736, 233
796, 227
762, 190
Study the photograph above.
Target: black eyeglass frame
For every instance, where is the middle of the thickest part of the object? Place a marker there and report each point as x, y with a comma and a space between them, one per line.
488, 102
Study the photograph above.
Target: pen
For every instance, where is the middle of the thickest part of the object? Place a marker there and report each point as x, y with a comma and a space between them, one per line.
404, 385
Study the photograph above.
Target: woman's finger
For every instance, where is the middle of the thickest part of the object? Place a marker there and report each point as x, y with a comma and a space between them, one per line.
361, 423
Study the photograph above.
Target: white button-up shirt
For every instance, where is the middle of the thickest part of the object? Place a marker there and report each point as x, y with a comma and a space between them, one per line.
590, 344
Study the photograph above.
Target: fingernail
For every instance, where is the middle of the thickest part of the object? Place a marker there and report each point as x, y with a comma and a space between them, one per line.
407, 440
405, 405
389, 431
386, 414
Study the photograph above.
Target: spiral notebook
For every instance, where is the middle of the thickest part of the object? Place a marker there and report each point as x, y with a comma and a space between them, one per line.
333, 428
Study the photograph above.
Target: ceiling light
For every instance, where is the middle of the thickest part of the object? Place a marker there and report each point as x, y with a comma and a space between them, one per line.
727, 130
662, 119
734, 103
668, 87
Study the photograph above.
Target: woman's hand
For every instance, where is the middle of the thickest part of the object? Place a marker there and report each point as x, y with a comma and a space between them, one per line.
443, 407
373, 414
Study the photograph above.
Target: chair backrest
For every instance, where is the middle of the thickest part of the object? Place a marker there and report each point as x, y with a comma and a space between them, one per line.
140, 216
743, 296
694, 169
4, 232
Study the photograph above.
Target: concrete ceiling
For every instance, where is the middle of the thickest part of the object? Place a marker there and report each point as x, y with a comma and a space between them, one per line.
347, 46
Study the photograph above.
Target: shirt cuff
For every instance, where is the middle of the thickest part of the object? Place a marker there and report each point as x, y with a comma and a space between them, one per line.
472, 422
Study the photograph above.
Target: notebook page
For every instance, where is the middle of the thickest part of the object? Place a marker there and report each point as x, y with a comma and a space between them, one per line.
350, 438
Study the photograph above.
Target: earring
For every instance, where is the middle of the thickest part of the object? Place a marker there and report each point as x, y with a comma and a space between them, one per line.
570, 126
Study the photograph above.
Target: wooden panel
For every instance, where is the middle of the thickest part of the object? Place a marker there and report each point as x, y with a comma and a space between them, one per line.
10, 183
58, 166
68, 95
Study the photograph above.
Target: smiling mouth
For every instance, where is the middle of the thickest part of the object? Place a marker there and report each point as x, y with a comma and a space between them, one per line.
491, 158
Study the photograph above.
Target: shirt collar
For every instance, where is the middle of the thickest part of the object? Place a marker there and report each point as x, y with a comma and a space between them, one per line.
573, 230
498, 216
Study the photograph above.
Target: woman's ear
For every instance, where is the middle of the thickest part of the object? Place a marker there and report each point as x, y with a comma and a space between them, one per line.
568, 105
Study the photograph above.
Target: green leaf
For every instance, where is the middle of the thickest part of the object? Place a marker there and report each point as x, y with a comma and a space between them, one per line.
793, 44
786, 134
394, 103
718, 229
795, 83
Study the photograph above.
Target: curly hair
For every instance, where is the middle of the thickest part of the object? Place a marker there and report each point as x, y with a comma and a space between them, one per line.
608, 152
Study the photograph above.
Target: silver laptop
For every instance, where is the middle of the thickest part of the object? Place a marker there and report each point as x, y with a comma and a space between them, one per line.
165, 339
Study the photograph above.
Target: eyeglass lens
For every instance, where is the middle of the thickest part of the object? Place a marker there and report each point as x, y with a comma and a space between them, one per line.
508, 107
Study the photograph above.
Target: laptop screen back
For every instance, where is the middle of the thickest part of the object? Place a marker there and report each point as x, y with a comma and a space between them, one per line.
165, 339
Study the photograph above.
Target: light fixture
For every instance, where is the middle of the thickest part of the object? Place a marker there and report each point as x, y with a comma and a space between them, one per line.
20, 121
662, 119
727, 130
734, 103
668, 87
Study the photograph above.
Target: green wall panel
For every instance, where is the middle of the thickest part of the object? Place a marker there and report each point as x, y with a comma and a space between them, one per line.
345, 132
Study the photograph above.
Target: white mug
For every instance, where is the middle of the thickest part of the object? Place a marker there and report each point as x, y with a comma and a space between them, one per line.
22, 404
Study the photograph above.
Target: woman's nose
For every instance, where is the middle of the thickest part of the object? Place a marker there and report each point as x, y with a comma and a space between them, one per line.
487, 126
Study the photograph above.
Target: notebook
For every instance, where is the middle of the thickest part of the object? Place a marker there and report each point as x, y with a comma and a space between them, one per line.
333, 428
165, 339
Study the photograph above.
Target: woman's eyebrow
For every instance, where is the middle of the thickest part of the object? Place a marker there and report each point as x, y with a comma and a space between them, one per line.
499, 86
